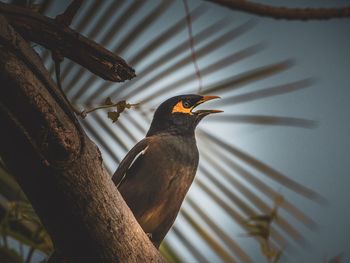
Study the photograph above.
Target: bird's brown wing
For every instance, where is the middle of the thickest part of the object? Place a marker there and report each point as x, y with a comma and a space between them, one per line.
130, 157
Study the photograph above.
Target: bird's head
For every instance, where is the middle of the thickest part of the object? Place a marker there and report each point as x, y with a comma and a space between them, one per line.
177, 115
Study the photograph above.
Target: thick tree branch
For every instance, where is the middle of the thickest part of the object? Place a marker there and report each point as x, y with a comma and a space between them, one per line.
55, 36
58, 167
284, 12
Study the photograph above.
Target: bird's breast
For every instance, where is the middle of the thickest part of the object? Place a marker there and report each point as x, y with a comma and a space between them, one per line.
169, 165
158, 181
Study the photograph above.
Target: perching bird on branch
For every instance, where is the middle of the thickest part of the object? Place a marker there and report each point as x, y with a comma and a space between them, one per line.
156, 174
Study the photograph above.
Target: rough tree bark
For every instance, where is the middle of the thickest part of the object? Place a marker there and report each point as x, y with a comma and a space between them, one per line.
58, 167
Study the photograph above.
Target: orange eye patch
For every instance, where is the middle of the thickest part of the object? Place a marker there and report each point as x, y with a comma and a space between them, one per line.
179, 107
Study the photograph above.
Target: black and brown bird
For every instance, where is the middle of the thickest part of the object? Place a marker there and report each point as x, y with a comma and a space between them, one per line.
156, 174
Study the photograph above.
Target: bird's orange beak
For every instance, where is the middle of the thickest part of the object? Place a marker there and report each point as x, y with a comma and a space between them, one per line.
205, 99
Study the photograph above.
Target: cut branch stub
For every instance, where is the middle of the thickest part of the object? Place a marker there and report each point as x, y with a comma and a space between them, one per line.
55, 36
67, 16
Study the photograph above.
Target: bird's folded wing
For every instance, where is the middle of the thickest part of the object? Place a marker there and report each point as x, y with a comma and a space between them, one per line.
130, 157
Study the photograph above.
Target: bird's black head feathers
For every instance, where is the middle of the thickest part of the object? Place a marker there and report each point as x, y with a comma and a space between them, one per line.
176, 115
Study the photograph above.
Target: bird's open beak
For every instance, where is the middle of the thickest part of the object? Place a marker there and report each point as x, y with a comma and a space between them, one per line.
206, 112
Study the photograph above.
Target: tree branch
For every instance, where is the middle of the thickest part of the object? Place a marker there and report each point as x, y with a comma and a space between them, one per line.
284, 12
55, 36
67, 16
58, 167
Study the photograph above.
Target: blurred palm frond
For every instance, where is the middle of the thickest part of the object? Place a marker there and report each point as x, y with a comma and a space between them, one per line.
155, 42
19, 222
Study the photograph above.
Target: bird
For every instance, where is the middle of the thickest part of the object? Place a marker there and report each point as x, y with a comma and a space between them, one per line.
155, 175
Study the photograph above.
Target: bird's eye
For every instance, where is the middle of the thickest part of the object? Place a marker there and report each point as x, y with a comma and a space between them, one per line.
186, 104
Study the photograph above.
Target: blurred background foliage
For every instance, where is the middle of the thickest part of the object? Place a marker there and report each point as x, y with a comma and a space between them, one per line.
238, 204
21, 231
